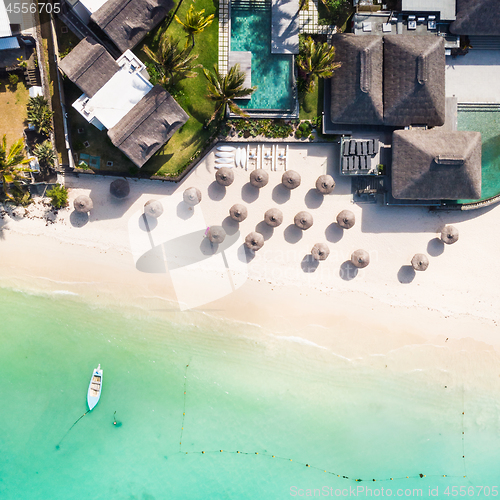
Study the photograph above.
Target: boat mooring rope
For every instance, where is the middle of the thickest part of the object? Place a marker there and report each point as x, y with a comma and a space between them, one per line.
341, 476
67, 432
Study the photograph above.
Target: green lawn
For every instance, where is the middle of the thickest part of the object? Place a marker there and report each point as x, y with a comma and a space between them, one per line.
191, 96
311, 105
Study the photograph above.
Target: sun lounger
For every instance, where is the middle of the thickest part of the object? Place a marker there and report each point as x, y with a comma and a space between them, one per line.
350, 163
364, 147
358, 148
352, 147
356, 162
362, 162
345, 163
370, 147
375, 146
346, 147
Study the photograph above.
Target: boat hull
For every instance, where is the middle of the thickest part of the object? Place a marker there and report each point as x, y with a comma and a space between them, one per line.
95, 388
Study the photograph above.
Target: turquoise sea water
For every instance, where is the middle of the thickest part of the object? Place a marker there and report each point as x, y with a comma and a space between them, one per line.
271, 73
488, 123
268, 398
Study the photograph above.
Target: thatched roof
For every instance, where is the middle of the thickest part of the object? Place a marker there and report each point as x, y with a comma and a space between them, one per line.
449, 235
148, 125
436, 165
238, 212
89, 65
192, 196
224, 176
153, 208
356, 95
420, 262
477, 17
120, 188
414, 85
126, 22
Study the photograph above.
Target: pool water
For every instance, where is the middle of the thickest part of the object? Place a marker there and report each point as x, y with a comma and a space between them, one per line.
272, 74
488, 123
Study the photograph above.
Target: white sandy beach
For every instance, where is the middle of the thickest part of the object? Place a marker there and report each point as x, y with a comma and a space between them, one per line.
382, 314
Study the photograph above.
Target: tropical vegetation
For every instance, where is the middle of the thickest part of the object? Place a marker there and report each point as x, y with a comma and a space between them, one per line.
58, 196
40, 115
223, 89
45, 154
316, 60
172, 63
195, 22
11, 168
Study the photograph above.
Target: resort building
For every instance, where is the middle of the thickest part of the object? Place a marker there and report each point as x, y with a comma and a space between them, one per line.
118, 96
480, 18
125, 22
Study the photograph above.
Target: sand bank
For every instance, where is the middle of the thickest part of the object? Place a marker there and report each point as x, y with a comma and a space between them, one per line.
382, 315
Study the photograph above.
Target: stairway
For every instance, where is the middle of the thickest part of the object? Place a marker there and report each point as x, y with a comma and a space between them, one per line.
485, 42
32, 77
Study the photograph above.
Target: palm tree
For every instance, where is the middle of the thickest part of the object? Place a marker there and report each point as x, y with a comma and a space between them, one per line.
223, 89
317, 61
45, 154
40, 115
195, 22
10, 161
172, 62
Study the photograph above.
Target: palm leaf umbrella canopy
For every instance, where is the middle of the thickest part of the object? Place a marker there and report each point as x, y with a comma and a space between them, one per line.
303, 220
346, 219
360, 258
83, 203
238, 212
119, 188
273, 217
420, 262
320, 251
254, 241
291, 179
224, 176
449, 235
153, 208
325, 184
216, 234
192, 196
259, 178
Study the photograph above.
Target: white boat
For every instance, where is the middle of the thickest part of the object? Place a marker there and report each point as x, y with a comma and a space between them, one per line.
226, 148
224, 160
237, 157
95, 387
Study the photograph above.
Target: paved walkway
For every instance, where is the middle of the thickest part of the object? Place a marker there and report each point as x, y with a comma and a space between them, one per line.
224, 35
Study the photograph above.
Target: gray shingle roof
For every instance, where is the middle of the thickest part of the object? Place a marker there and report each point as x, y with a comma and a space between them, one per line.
414, 82
148, 125
436, 165
127, 22
477, 17
89, 65
356, 95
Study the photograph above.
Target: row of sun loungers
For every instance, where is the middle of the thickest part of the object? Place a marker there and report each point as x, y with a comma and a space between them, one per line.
353, 163
264, 157
360, 148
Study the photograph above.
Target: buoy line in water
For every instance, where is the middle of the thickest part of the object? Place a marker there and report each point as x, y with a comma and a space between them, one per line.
67, 432
341, 476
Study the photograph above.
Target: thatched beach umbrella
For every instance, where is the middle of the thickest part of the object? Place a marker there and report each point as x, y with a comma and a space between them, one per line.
303, 220
346, 219
119, 188
153, 208
291, 179
259, 178
83, 203
320, 251
273, 217
360, 258
192, 196
238, 212
449, 235
325, 184
224, 176
420, 262
254, 241
216, 234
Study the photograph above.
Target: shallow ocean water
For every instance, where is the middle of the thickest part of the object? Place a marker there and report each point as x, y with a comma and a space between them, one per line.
300, 403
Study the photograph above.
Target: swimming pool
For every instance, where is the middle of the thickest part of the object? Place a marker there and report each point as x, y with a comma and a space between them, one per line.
272, 74
484, 119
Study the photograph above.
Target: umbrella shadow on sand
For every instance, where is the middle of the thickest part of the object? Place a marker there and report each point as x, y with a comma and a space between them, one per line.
406, 274
263, 228
334, 232
313, 199
230, 225
435, 247
249, 193
245, 255
309, 264
348, 271
78, 219
293, 234
184, 211
216, 192
280, 194
147, 224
